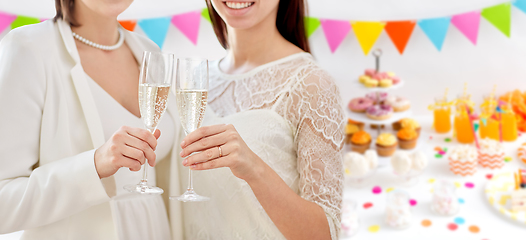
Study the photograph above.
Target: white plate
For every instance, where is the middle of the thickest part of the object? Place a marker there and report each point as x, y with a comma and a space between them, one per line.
498, 192
361, 117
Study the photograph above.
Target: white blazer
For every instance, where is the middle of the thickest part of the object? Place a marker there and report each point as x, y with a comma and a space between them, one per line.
49, 130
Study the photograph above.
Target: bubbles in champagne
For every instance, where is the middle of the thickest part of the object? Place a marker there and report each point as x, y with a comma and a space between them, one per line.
191, 105
152, 103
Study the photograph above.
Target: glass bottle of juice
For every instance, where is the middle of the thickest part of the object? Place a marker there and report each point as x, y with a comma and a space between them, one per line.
509, 125
442, 115
489, 123
462, 123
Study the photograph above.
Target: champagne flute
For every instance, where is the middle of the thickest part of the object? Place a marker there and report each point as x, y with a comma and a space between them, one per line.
154, 87
191, 91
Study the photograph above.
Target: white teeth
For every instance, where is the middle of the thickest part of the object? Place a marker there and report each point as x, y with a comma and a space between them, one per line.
238, 5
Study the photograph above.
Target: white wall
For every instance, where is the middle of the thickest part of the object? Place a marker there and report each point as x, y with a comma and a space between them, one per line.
495, 60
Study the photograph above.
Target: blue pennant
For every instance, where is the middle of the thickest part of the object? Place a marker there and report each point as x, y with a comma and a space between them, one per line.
520, 4
435, 29
156, 29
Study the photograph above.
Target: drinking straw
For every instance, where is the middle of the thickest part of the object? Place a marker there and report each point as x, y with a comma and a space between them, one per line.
471, 125
500, 121
445, 94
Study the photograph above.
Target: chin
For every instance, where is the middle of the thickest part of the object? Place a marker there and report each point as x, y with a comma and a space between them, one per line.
242, 14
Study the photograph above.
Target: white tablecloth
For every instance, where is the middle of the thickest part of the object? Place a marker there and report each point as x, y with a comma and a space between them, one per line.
476, 211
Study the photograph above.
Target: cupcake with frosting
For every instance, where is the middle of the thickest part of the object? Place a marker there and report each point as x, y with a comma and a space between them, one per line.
351, 128
360, 141
407, 137
407, 123
463, 160
491, 154
386, 144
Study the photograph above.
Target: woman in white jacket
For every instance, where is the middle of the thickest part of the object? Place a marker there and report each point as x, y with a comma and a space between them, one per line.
71, 134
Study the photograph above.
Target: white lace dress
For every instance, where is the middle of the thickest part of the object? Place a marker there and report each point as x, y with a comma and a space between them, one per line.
289, 113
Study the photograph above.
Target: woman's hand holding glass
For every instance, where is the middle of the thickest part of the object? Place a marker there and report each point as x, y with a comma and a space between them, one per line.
220, 146
128, 147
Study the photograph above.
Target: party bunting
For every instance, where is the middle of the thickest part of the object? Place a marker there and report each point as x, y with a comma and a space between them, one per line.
400, 32
520, 4
367, 33
155, 29
188, 24
499, 16
206, 15
468, 24
128, 24
335, 31
311, 24
6, 20
23, 20
435, 29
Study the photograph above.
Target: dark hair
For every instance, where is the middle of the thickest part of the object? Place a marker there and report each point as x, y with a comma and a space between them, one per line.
289, 21
65, 10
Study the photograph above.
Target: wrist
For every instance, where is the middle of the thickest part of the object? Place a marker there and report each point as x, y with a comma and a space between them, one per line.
259, 170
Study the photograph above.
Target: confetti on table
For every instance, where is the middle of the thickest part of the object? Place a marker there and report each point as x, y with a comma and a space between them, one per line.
374, 228
457, 184
447, 139
431, 180
389, 189
377, 190
474, 229
367, 205
452, 226
469, 185
489, 176
508, 159
412, 202
438, 155
426, 223
459, 220
442, 153
438, 149
461, 200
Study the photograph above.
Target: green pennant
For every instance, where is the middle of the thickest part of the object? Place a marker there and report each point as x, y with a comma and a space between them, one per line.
311, 24
499, 16
21, 21
206, 15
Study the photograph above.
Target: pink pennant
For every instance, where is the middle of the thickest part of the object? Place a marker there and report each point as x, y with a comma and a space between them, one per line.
5, 20
188, 24
335, 31
468, 24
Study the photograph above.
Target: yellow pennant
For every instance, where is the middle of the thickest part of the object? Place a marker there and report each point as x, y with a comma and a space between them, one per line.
367, 33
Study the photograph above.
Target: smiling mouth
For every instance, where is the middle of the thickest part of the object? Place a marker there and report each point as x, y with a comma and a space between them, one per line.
238, 5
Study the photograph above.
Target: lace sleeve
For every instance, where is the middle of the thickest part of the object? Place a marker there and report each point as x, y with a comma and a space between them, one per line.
317, 113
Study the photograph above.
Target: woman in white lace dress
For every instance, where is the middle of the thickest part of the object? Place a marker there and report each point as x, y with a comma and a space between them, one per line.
272, 134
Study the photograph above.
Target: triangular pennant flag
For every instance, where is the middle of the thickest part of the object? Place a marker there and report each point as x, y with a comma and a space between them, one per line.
335, 31
367, 33
22, 21
400, 32
155, 29
43, 19
468, 24
435, 29
311, 24
128, 24
5, 20
476, 127
188, 24
206, 15
520, 4
499, 16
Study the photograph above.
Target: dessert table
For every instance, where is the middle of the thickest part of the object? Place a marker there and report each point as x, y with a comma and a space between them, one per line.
477, 218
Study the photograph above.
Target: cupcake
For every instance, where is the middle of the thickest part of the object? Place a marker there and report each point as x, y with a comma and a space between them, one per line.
360, 141
491, 154
407, 123
386, 144
351, 128
522, 153
463, 160
407, 138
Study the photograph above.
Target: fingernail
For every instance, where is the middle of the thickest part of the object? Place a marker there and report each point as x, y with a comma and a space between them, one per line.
193, 166
182, 143
185, 162
181, 153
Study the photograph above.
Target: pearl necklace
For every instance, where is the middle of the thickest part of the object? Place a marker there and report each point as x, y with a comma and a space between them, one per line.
100, 46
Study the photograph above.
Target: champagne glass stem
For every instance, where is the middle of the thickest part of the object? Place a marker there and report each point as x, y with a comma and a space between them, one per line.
145, 168
190, 181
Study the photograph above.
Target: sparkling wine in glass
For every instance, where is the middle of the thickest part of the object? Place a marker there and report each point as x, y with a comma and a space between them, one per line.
191, 92
154, 87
